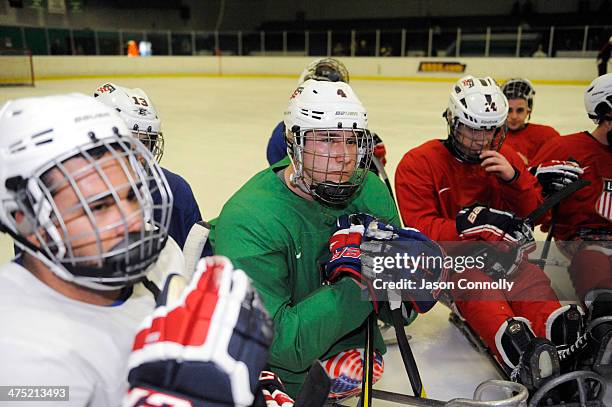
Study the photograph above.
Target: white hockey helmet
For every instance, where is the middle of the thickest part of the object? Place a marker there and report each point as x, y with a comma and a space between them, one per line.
476, 105
137, 111
325, 69
519, 88
328, 111
41, 134
598, 98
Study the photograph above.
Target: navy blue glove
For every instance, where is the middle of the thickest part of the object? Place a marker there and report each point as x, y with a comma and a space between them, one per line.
424, 264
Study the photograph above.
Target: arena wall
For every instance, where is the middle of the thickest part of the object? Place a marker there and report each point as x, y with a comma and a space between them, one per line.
544, 70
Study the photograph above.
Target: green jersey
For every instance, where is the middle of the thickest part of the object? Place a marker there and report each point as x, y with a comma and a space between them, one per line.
281, 241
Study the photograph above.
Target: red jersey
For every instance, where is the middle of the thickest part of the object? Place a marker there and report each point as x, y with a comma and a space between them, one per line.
432, 186
591, 207
528, 140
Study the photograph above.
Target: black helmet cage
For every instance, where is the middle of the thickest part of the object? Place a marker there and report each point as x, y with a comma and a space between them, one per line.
328, 69
520, 89
154, 141
457, 144
349, 181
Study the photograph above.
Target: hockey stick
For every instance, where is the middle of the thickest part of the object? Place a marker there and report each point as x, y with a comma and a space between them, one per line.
552, 202
555, 199
517, 396
368, 365
404, 347
383, 175
315, 389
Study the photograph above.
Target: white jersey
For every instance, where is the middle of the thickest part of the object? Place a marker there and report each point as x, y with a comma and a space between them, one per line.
48, 339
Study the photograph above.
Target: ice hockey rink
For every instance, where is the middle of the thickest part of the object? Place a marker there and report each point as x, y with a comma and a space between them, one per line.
216, 130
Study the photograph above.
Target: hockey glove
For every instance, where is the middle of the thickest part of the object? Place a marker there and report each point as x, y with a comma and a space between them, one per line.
273, 390
344, 246
345, 249
422, 262
555, 175
206, 347
510, 238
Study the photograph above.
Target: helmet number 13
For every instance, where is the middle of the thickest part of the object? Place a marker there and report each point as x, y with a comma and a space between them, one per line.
140, 101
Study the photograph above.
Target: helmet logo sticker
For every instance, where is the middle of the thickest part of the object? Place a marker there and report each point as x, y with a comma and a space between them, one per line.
106, 88
296, 92
468, 82
490, 105
142, 112
341, 93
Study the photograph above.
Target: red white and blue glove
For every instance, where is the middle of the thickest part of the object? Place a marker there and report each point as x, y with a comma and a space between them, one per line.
358, 232
344, 246
555, 175
273, 390
205, 346
511, 238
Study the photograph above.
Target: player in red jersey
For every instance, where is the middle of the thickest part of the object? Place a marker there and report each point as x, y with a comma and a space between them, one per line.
469, 188
583, 229
524, 137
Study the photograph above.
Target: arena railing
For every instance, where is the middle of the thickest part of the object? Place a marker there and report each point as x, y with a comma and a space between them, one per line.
577, 41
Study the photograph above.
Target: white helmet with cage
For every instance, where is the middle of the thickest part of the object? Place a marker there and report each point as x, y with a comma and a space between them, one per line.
328, 141
519, 88
598, 98
137, 111
325, 69
52, 151
476, 116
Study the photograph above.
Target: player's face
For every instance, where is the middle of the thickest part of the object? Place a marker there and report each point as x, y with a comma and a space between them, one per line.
518, 111
474, 141
330, 155
97, 204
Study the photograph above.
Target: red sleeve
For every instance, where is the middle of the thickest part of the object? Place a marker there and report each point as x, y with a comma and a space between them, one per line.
524, 194
417, 199
553, 149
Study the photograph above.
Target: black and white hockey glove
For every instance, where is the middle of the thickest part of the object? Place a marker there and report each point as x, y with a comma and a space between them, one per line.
555, 175
205, 346
508, 237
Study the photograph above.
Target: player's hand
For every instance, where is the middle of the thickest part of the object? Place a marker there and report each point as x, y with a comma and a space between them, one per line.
380, 151
386, 240
555, 175
344, 246
478, 222
512, 238
205, 347
497, 164
273, 390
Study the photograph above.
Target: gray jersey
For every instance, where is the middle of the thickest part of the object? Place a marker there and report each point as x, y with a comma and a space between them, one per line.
51, 340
